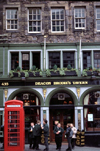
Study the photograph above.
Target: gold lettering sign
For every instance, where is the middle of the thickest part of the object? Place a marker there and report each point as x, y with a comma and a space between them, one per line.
62, 83
42, 83
4, 83
80, 82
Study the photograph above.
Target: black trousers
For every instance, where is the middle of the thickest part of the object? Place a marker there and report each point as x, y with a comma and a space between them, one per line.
31, 141
37, 141
46, 143
73, 142
59, 142
56, 142
69, 144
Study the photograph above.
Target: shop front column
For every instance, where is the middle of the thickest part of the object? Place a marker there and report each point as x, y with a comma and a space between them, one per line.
44, 114
79, 118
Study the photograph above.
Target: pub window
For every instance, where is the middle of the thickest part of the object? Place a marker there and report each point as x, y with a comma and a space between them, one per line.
54, 59
79, 18
25, 61
97, 59
86, 59
58, 20
14, 60
34, 19
92, 111
11, 19
36, 59
68, 58
98, 19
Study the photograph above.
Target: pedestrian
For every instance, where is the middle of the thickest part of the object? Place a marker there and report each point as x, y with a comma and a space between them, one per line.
2, 140
46, 134
31, 136
56, 123
69, 134
58, 131
74, 135
37, 134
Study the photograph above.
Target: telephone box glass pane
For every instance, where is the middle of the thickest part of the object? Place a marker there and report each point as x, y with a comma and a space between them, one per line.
13, 128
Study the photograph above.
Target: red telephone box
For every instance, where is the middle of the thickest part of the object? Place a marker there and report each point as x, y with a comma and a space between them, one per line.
14, 130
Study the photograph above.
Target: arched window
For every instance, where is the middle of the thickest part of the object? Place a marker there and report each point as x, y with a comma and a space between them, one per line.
92, 111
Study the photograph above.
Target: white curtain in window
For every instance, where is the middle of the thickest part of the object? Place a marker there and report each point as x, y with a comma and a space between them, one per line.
86, 101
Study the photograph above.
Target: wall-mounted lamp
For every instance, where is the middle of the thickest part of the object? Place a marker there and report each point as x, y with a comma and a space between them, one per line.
6, 93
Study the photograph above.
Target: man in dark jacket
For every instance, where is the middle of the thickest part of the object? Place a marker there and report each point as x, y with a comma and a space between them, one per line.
58, 131
69, 134
37, 134
46, 133
31, 135
56, 123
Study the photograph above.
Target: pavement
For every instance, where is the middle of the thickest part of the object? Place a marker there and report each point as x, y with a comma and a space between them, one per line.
52, 147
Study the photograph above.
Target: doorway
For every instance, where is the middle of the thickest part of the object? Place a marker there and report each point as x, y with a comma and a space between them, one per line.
62, 110
31, 104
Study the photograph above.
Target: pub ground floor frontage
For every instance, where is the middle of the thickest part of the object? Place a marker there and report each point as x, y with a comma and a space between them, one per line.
75, 101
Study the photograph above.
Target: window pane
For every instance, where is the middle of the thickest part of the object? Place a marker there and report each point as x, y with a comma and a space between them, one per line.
36, 59
86, 59
68, 58
98, 27
30, 11
25, 61
8, 14
54, 59
14, 60
30, 17
97, 59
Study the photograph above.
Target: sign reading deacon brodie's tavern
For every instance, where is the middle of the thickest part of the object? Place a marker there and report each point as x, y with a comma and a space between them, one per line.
61, 83
50, 82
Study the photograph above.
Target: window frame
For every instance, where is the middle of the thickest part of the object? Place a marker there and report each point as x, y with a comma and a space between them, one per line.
79, 18
58, 20
92, 56
97, 18
20, 58
35, 20
12, 19
61, 54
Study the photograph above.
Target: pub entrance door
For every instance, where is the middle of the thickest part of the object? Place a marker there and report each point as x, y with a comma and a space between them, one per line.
63, 116
61, 109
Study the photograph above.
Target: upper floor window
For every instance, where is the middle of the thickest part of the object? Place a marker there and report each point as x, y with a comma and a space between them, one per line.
67, 58
79, 18
34, 20
25, 60
86, 59
11, 19
98, 18
97, 59
58, 20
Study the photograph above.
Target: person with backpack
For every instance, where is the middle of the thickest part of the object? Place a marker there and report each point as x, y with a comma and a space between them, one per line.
69, 134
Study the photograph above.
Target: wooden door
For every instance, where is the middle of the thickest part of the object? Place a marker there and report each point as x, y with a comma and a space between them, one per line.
63, 116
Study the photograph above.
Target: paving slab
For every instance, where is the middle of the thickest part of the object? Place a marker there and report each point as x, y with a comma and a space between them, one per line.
52, 147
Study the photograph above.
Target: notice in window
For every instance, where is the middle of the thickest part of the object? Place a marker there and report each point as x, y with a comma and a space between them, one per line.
90, 117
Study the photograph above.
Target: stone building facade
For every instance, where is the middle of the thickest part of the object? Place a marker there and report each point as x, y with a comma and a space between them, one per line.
62, 40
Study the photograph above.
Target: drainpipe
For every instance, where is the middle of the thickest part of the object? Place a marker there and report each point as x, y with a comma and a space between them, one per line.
3, 60
44, 52
80, 55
